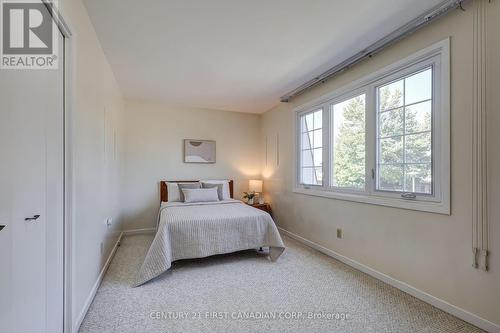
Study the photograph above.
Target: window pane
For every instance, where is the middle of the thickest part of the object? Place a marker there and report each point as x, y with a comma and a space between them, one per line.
309, 122
404, 156
418, 178
306, 140
307, 176
391, 123
318, 157
391, 150
307, 158
311, 151
317, 139
418, 117
318, 173
390, 178
318, 119
391, 96
311, 176
418, 148
418, 87
349, 143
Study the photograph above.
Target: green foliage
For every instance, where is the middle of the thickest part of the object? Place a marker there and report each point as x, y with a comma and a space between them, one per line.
349, 149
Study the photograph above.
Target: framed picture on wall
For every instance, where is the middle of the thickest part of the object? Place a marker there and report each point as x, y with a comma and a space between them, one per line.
199, 151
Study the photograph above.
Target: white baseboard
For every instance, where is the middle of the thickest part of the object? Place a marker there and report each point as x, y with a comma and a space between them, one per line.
438, 303
97, 283
139, 231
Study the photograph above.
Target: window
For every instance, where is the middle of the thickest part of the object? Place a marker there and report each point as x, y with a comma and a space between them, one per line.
382, 140
311, 148
404, 134
348, 143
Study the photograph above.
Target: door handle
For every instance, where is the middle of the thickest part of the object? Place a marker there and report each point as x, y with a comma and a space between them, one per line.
33, 218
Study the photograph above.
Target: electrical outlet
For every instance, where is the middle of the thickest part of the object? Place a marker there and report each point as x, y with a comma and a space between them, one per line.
339, 233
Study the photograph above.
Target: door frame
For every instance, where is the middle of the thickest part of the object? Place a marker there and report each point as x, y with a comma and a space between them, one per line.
68, 177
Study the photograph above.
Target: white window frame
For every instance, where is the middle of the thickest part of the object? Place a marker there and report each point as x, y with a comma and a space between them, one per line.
437, 56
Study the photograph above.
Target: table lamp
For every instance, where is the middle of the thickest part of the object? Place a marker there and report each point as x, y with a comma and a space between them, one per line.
256, 186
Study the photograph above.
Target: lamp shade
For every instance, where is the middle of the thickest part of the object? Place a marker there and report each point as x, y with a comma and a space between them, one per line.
255, 186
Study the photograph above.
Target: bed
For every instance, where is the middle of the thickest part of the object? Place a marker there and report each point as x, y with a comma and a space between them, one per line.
202, 229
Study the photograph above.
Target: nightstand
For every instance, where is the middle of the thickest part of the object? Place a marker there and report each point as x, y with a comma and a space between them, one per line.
265, 207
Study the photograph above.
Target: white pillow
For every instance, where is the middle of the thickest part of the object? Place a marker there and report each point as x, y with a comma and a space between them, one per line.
174, 194
200, 194
226, 195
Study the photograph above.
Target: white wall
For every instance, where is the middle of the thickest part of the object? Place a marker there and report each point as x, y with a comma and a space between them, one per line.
431, 252
154, 152
97, 110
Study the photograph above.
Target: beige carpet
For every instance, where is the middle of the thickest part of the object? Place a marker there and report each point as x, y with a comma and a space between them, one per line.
304, 291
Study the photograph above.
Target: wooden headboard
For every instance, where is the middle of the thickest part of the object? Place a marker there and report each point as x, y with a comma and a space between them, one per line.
164, 187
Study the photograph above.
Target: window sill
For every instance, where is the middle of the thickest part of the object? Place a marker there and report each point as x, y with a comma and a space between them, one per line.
423, 206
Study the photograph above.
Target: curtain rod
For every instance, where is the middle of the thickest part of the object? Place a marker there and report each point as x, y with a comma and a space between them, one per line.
436, 12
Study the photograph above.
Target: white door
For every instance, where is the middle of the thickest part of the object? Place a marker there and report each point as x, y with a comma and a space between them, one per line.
32, 183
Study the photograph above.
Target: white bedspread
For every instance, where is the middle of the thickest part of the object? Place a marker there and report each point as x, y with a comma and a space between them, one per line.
196, 230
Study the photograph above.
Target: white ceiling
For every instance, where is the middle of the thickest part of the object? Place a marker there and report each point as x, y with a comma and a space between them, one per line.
236, 55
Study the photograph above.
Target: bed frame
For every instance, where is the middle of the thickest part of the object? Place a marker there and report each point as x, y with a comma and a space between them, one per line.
164, 188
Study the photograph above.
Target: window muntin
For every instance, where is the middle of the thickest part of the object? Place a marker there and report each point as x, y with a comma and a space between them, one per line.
348, 143
311, 148
404, 134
